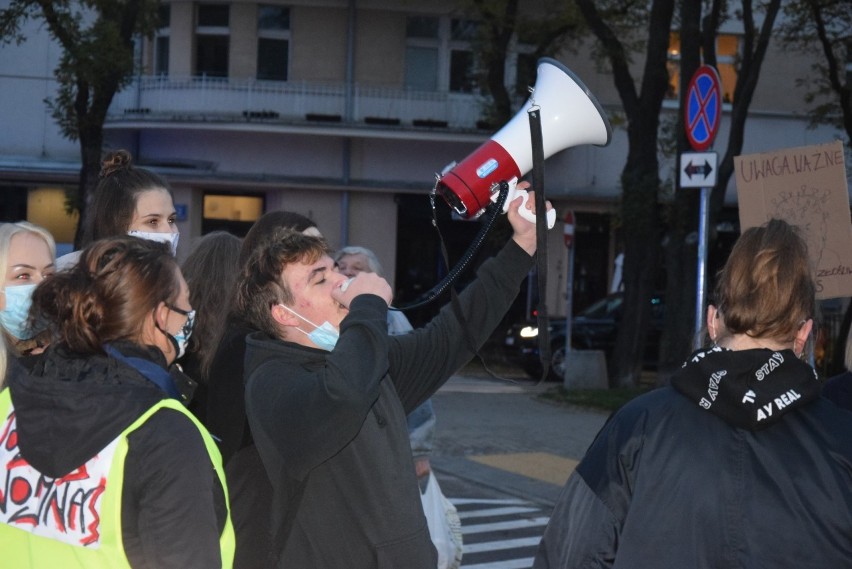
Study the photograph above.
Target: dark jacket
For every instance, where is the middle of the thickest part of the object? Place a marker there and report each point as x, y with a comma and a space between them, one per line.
838, 389
225, 412
69, 408
331, 429
739, 464
248, 483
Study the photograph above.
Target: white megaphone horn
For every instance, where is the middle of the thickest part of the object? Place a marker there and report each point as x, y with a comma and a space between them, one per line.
570, 116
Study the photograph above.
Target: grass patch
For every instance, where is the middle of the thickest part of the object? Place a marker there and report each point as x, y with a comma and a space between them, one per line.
601, 399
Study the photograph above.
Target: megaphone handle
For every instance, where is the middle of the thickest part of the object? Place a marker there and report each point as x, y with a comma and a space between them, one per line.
514, 192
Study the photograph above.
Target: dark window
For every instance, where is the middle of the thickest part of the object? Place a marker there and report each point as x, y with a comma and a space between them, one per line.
211, 57
164, 13
213, 15
161, 66
273, 42
462, 74
272, 57
421, 27
464, 30
273, 18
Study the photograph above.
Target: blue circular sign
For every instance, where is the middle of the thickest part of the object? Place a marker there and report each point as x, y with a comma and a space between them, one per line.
703, 109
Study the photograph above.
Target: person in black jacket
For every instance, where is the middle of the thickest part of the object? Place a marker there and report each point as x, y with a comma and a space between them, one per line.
739, 462
248, 483
99, 421
328, 414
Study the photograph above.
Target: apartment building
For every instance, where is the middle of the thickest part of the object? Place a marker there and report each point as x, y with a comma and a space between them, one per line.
343, 110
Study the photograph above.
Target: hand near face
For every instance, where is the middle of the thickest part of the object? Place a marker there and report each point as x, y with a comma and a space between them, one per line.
363, 283
524, 230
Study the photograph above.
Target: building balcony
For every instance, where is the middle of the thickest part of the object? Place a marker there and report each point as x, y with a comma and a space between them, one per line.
318, 108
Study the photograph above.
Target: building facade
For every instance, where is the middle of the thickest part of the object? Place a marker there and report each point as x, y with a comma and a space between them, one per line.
343, 110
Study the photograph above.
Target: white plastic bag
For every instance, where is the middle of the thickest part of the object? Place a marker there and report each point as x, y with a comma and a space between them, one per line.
444, 525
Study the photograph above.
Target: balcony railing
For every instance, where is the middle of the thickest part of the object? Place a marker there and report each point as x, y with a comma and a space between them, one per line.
189, 98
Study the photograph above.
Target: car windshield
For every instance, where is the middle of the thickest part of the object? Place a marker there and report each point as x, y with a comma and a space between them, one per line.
605, 307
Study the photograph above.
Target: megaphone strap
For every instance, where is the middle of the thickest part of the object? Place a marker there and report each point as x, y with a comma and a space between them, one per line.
541, 238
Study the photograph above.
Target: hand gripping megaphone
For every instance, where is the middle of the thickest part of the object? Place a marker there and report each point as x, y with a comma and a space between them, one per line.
570, 116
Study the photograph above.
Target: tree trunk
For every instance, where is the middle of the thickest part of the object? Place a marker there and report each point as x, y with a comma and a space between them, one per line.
641, 222
91, 147
681, 250
640, 182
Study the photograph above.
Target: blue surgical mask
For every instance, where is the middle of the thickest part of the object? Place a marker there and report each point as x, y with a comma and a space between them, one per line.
170, 238
324, 336
14, 317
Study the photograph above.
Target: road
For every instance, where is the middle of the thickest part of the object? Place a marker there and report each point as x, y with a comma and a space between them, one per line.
502, 456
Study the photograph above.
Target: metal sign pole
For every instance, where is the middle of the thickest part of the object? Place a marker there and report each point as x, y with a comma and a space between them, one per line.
702, 114
703, 222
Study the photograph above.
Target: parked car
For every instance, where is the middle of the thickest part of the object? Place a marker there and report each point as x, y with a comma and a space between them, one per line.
594, 328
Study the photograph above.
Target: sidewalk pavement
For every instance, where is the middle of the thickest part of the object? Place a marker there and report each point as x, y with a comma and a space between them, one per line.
499, 434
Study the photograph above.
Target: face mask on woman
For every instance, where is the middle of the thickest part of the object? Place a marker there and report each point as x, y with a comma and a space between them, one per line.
181, 339
14, 317
170, 238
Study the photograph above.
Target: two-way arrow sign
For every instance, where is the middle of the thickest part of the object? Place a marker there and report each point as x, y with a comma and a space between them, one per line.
698, 169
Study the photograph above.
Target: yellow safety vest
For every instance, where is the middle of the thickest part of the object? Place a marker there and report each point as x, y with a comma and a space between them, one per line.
75, 521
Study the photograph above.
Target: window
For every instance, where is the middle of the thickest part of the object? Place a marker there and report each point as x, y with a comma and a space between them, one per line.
463, 64
422, 49
232, 213
727, 48
161, 42
462, 71
421, 68
438, 54
212, 40
273, 42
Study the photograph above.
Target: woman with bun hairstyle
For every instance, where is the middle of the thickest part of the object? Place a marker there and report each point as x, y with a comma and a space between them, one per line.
128, 200
739, 462
27, 254
109, 468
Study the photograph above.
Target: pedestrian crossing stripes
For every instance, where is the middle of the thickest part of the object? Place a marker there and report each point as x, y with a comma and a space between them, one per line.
500, 534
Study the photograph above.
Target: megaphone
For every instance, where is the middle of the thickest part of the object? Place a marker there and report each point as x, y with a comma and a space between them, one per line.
570, 116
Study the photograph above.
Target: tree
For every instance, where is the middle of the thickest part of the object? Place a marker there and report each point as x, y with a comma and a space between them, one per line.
823, 28
619, 28
97, 41
501, 21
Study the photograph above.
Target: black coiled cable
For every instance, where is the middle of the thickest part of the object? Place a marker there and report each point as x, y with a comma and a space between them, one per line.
491, 213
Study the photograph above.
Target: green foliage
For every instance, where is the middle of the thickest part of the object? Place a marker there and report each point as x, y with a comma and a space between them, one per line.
97, 41
96, 37
823, 29
628, 21
554, 25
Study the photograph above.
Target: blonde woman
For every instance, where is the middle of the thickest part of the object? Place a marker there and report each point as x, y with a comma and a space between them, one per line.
27, 255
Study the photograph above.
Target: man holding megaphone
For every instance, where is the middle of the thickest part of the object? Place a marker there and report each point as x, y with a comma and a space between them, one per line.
328, 391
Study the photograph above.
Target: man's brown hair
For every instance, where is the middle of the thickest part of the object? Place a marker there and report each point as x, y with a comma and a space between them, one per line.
261, 286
